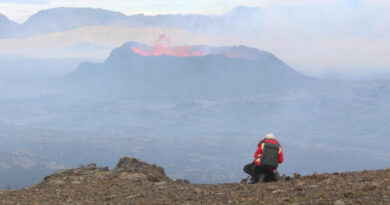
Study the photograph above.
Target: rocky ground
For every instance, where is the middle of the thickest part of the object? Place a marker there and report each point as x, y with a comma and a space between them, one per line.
136, 182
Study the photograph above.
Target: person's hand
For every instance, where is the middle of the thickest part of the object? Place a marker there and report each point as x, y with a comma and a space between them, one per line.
258, 145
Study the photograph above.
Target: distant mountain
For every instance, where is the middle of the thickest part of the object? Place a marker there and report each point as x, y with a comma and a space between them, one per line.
4, 20
7, 27
140, 71
61, 19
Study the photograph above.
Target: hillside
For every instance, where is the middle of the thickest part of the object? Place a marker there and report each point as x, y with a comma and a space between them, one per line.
5, 21
7, 27
136, 182
60, 19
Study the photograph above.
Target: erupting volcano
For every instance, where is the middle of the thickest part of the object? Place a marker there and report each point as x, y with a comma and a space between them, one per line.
163, 47
162, 72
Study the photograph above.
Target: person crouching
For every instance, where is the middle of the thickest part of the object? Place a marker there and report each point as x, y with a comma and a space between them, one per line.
268, 156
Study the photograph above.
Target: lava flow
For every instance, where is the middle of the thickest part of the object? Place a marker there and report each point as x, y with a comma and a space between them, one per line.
163, 47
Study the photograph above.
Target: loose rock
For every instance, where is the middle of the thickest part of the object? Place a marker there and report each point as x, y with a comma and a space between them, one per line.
234, 195
370, 187
297, 176
271, 188
56, 181
338, 202
197, 190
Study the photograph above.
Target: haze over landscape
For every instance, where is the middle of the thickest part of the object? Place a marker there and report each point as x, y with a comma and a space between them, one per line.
191, 88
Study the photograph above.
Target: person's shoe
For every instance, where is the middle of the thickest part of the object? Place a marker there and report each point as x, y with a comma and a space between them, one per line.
252, 181
244, 180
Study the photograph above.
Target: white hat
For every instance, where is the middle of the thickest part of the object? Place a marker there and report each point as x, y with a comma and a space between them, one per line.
269, 136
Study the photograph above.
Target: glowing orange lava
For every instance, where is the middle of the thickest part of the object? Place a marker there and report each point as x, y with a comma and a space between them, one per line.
163, 47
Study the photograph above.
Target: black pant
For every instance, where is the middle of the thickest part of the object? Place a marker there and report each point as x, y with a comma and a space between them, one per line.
256, 171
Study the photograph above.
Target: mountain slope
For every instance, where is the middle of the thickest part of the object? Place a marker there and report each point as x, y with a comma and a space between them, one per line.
135, 182
59, 19
7, 27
